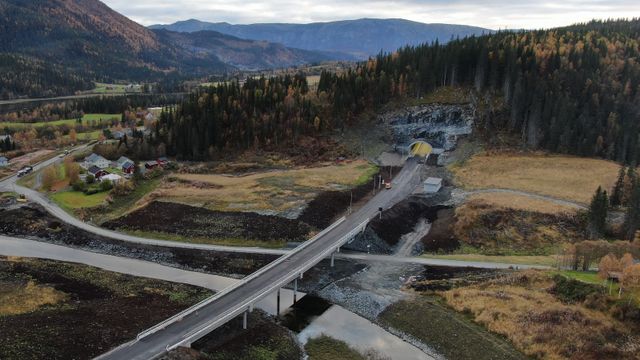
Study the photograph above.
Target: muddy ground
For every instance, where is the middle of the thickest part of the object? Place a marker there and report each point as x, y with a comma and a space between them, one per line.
101, 310
33, 222
327, 206
195, 222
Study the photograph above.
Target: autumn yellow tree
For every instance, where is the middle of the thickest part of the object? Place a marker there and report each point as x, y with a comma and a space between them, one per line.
49, 177
630, 278
72, 170
608, 264
73, 136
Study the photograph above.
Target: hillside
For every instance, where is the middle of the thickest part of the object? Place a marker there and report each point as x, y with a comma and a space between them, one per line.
352, 38
56, 47
571, 90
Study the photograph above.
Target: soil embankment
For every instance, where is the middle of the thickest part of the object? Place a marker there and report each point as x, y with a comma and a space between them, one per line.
98, 310
195, 222
35, 223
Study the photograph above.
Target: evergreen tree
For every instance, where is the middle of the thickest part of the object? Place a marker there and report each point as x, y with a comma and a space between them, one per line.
617, 192
632, 217
598, 213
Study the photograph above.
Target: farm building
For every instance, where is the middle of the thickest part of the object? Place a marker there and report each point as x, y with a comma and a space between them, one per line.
432, 185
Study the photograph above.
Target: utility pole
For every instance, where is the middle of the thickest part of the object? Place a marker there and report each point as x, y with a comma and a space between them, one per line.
374, 184
379, 182
351, 203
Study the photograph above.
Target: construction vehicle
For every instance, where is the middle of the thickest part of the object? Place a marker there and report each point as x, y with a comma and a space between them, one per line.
22, 198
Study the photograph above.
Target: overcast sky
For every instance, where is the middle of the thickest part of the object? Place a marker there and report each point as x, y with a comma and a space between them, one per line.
494, 14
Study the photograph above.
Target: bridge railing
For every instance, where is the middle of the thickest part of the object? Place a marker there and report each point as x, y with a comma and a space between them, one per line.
230, 314
228, 289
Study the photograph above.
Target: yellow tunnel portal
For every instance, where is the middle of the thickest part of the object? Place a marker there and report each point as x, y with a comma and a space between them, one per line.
420, 148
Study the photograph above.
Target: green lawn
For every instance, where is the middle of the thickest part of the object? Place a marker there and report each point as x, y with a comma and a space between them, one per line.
327, 348
70, 200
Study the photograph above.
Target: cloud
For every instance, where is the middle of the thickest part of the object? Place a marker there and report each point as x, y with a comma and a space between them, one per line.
492, 14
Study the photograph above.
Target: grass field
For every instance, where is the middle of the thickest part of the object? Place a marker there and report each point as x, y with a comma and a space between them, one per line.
16, 299
86, 120
267, 191
327, 348
218, 241
549, 260
71, 200
538, 322
564, 177
521, 202
449, 333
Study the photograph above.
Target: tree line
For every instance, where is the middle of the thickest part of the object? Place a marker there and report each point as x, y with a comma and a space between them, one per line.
570, 90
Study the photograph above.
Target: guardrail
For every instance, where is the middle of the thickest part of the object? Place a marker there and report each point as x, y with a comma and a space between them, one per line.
228, 289
229, 314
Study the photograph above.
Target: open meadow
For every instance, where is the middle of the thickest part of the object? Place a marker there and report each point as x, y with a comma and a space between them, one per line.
272, 191
563, 177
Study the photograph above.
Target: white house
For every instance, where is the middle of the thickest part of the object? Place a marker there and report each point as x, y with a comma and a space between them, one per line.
115, 179
4, 161
96, 160
432, 185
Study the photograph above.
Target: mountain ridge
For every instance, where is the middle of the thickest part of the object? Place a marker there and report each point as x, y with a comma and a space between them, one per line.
61, 46
360, 38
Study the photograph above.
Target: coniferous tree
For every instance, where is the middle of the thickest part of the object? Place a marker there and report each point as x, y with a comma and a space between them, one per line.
632, 217
618, 188
598, 213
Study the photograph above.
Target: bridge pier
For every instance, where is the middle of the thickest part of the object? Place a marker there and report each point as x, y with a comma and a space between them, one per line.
244, 319
333, 259
278, 304
295, 291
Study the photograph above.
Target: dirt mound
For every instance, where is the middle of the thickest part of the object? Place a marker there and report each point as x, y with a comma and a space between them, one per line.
197, 222
440, 236
402, 218
326, 207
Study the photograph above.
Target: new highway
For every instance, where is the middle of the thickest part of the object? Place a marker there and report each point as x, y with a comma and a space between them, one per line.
156, 343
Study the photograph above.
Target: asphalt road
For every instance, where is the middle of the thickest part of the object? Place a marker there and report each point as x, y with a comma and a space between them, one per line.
155, 344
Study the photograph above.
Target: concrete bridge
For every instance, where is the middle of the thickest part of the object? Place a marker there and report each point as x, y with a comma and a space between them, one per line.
194, 323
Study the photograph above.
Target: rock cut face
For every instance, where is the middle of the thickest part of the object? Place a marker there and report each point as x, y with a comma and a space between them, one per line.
438, 125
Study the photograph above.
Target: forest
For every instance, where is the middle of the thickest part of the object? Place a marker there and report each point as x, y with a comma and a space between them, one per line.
570, 90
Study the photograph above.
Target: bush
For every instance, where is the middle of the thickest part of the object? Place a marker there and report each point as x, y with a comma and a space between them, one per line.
571, 291
626, 310
91, 179
79, 186
92, 190
106, 185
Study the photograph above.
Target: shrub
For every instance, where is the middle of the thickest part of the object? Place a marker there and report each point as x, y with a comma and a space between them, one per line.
91, 179
106, 185
571, 290
79, 186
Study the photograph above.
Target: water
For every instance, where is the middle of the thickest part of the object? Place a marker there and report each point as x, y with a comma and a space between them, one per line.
312, 317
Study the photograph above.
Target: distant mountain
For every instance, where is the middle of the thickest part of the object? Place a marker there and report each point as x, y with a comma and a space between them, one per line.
358, 38
54, 47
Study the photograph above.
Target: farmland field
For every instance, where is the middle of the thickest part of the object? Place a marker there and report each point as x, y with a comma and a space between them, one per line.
563, 177
276, 191
86, 120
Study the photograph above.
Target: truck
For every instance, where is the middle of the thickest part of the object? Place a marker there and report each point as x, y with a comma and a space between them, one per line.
25, 170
